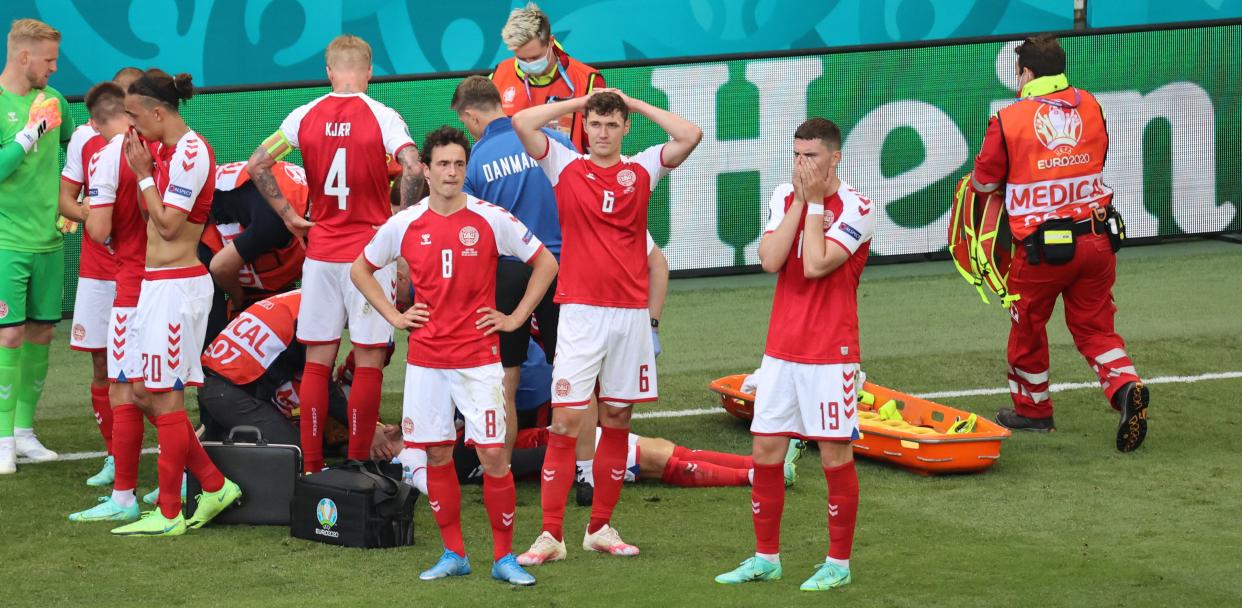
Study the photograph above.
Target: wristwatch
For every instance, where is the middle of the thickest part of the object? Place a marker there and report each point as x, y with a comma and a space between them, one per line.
655, 323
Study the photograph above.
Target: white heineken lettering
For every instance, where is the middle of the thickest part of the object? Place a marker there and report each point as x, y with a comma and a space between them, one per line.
255, 338
1048, 195
336, 129
507, 165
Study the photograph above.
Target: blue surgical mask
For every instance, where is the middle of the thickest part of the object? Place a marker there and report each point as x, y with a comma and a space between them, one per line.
534, 68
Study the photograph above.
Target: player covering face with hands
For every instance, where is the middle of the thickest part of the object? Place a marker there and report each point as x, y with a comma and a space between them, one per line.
452, 243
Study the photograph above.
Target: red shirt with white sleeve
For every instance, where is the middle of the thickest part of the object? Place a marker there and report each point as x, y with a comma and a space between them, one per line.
344, 139
113, 184
453, 269
185, 175
603, 215
95, 262
815, 321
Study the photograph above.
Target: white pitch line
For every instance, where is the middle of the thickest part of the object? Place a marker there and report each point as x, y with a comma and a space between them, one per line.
974, 392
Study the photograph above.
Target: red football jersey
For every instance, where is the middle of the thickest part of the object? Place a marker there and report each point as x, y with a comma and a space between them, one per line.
603, 225
113, 184
453, 269
95, 261
344, 138
185, 174
252, 341
816, 320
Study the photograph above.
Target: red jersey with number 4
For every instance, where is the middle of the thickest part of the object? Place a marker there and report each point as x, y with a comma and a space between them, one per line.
603, 214
344, 138
252, 341
113, 184
453, 269
185, 175
96, 262
816, 320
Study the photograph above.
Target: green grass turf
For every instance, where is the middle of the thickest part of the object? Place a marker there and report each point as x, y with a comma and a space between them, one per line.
1062, 519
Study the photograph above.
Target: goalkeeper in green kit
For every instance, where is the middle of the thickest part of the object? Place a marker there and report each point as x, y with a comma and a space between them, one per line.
34, 123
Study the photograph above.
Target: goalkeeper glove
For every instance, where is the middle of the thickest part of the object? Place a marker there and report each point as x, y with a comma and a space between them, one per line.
44, 116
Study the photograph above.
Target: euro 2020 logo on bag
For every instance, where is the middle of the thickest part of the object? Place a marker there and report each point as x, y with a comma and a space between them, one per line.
326, 512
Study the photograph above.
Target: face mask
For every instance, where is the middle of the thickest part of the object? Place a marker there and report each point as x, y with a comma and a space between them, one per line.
534, 68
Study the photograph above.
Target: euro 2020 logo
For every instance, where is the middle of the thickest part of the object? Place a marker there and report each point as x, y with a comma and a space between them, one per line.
325, 511
1058, 127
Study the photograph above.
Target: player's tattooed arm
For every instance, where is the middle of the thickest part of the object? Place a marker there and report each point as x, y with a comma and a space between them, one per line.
260, 169
412, 180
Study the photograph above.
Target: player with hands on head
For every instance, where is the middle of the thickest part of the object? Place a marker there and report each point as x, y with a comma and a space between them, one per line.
604, 338
452, 243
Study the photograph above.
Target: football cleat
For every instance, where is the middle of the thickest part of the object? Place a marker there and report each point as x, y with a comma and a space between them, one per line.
545, 549
754, 569
106, 510
449, 564
211, 504
506, 569
153, 523
105, 476
608, 540
827, 576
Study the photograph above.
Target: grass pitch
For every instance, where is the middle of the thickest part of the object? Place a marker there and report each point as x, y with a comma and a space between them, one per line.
1062, 519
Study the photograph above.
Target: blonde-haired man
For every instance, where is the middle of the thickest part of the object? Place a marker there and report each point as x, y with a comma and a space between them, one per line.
345, 138
540, 71
34, 118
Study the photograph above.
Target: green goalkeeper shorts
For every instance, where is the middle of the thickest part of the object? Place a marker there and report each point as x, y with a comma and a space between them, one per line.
31, 287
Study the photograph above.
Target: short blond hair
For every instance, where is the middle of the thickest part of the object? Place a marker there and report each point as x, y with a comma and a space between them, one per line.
524, 25
348, 50
31, 30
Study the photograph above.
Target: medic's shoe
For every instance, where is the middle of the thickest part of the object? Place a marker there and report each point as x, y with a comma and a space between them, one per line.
754, 569
1132, 401
153, 523
608, 540
545, 549
1010, 419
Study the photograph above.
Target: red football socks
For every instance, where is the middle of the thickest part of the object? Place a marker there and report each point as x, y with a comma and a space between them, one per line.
103, 412
842, 509
364, 404
767, 501
201, 467
693, 474
608, 471
444, 498
127, 432
500, 499
555, 480
174, 446
733, 461
313, 397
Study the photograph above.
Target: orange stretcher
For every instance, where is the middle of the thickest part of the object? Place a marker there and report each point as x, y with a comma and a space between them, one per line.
919, 442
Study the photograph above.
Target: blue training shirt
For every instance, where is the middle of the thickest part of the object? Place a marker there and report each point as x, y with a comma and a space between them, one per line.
500, 172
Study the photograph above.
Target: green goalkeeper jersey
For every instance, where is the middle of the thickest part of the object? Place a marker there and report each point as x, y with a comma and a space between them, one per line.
29, 183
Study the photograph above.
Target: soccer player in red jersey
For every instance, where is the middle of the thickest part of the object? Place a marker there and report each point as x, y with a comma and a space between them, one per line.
816, 240
453, 243
97, 267
176, 182
116, 220
605, 331
344, 137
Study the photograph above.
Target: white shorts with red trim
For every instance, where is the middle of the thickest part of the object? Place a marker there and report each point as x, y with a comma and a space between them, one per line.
170, 326
330, 302
806, 401
91, 307
432, 396
608, 346
124, 362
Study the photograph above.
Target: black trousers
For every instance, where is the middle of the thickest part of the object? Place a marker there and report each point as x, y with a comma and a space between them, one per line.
223, 405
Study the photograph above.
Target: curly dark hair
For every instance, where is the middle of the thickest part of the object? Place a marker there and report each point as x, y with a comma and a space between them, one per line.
444, 136
606, 103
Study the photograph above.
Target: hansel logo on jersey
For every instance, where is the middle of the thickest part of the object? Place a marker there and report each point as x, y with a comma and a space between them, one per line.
12, 116
407, 425
79, 332
1056, 127
175, 189
326, 513
626, 177
425, 239
510, 93
562, 388
468, 236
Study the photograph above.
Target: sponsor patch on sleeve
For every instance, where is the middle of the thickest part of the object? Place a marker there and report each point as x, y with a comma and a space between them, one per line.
527, 237
175, 189
848, 229
92, 191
